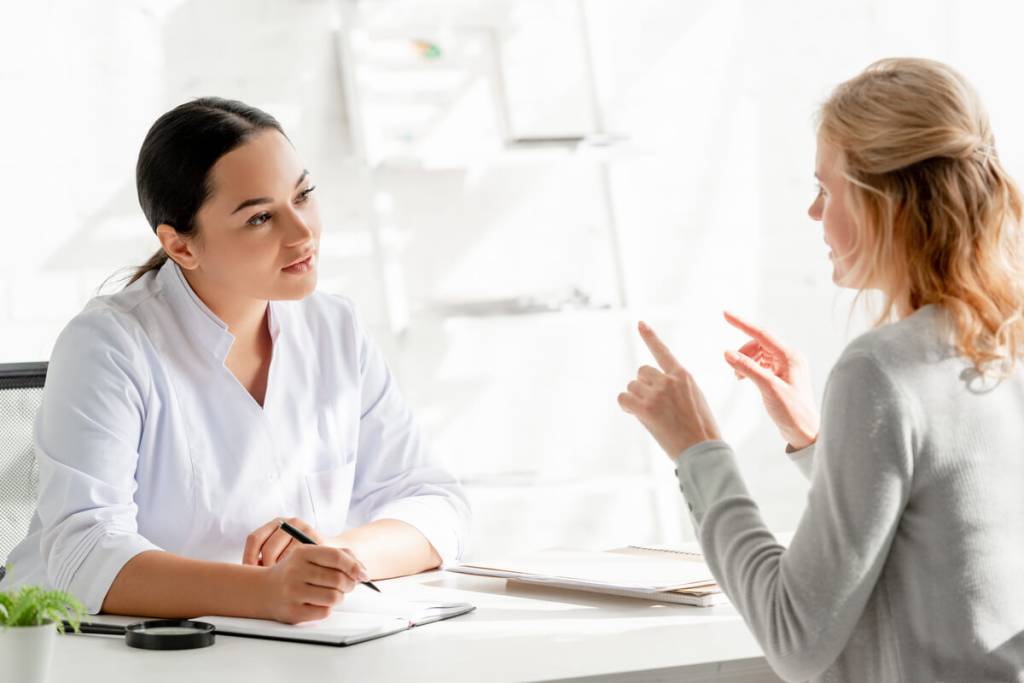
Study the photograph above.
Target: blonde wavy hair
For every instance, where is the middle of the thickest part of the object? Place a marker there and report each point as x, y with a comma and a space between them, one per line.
937, 217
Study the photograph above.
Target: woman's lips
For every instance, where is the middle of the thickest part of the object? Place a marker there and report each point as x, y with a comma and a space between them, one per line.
303, 266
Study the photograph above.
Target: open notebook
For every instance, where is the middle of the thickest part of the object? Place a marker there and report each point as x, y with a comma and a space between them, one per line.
659, 574
364, 615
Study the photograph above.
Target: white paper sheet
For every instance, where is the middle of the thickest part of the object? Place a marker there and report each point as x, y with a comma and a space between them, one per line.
603, 569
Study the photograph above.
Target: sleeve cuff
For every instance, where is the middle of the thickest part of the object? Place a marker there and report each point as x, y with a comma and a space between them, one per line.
707, 473
93, 577
432, 516
803, 458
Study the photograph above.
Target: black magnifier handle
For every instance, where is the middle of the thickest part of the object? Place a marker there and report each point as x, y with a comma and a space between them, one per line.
155, 634
96, 629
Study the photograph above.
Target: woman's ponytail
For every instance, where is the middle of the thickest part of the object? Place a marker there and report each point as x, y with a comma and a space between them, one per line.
155, 262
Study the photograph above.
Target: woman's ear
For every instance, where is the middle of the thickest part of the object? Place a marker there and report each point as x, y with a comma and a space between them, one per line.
177, 247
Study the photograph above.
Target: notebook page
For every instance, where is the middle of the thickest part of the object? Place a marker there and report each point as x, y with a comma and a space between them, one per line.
339, 628
365, 601
363, 615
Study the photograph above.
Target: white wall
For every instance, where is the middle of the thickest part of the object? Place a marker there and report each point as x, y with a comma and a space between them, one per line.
716, 101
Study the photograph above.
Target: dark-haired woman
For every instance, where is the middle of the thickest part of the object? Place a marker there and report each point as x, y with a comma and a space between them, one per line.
218, 394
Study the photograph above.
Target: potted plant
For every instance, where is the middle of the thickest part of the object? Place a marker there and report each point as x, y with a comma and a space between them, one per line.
29, 621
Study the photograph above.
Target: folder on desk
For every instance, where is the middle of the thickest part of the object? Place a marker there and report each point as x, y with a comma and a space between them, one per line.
362, 616
659, 574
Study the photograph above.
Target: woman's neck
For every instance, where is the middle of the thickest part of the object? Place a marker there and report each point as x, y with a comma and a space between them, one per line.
900, 297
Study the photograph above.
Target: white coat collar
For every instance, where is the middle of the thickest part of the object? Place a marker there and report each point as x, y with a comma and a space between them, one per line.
211, 332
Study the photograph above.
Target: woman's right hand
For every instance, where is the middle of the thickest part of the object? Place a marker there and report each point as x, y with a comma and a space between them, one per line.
782, 377
307, 582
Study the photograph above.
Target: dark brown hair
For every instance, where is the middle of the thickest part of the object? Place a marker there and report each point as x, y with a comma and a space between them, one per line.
172, 174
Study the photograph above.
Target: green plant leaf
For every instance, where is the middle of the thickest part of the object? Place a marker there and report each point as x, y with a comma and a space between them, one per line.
35, 606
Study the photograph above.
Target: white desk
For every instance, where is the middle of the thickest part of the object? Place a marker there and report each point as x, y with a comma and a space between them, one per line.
516, 634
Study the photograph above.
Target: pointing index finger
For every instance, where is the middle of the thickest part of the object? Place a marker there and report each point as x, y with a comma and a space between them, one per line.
756, 332
658, 349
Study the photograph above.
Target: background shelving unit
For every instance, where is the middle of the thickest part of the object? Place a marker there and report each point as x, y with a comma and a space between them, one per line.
435, 119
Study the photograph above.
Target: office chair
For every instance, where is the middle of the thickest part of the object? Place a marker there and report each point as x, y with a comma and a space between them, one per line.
21, 392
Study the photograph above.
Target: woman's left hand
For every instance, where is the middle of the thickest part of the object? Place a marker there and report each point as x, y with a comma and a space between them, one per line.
668, 402
269, 544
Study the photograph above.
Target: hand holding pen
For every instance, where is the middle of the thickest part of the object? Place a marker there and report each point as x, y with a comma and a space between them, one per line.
303, 538
305, 579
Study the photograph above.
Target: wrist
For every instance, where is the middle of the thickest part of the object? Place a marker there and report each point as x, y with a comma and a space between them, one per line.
261, 592
800, 441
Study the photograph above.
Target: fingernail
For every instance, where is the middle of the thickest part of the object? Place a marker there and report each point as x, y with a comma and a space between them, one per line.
643, 326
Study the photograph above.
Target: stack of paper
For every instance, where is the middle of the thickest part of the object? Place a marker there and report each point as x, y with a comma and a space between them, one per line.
636, 572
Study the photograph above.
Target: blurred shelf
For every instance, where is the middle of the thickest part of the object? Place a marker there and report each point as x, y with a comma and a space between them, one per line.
574, 299
653, 315
540, 151
515, 483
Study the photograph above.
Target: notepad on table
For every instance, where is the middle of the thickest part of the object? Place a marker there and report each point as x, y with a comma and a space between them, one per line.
660, 574
362, 616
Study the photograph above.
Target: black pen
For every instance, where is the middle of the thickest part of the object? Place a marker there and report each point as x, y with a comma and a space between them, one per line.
303, 538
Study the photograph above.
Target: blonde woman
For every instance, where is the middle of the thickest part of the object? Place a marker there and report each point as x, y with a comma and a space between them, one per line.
908, 562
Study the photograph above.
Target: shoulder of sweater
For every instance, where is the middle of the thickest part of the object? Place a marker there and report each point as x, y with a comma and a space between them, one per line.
917, 341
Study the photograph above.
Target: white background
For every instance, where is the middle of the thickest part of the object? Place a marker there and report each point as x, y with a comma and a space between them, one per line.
715, 102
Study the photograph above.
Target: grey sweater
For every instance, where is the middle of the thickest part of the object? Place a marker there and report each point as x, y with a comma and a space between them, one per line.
908, 561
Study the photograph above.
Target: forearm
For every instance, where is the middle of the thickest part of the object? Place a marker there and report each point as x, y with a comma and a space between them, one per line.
161, 584
389, 548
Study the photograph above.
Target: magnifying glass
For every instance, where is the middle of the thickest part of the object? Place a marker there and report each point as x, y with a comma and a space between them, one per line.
155, 634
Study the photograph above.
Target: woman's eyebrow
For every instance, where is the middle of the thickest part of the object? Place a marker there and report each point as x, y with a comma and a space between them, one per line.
267, 200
